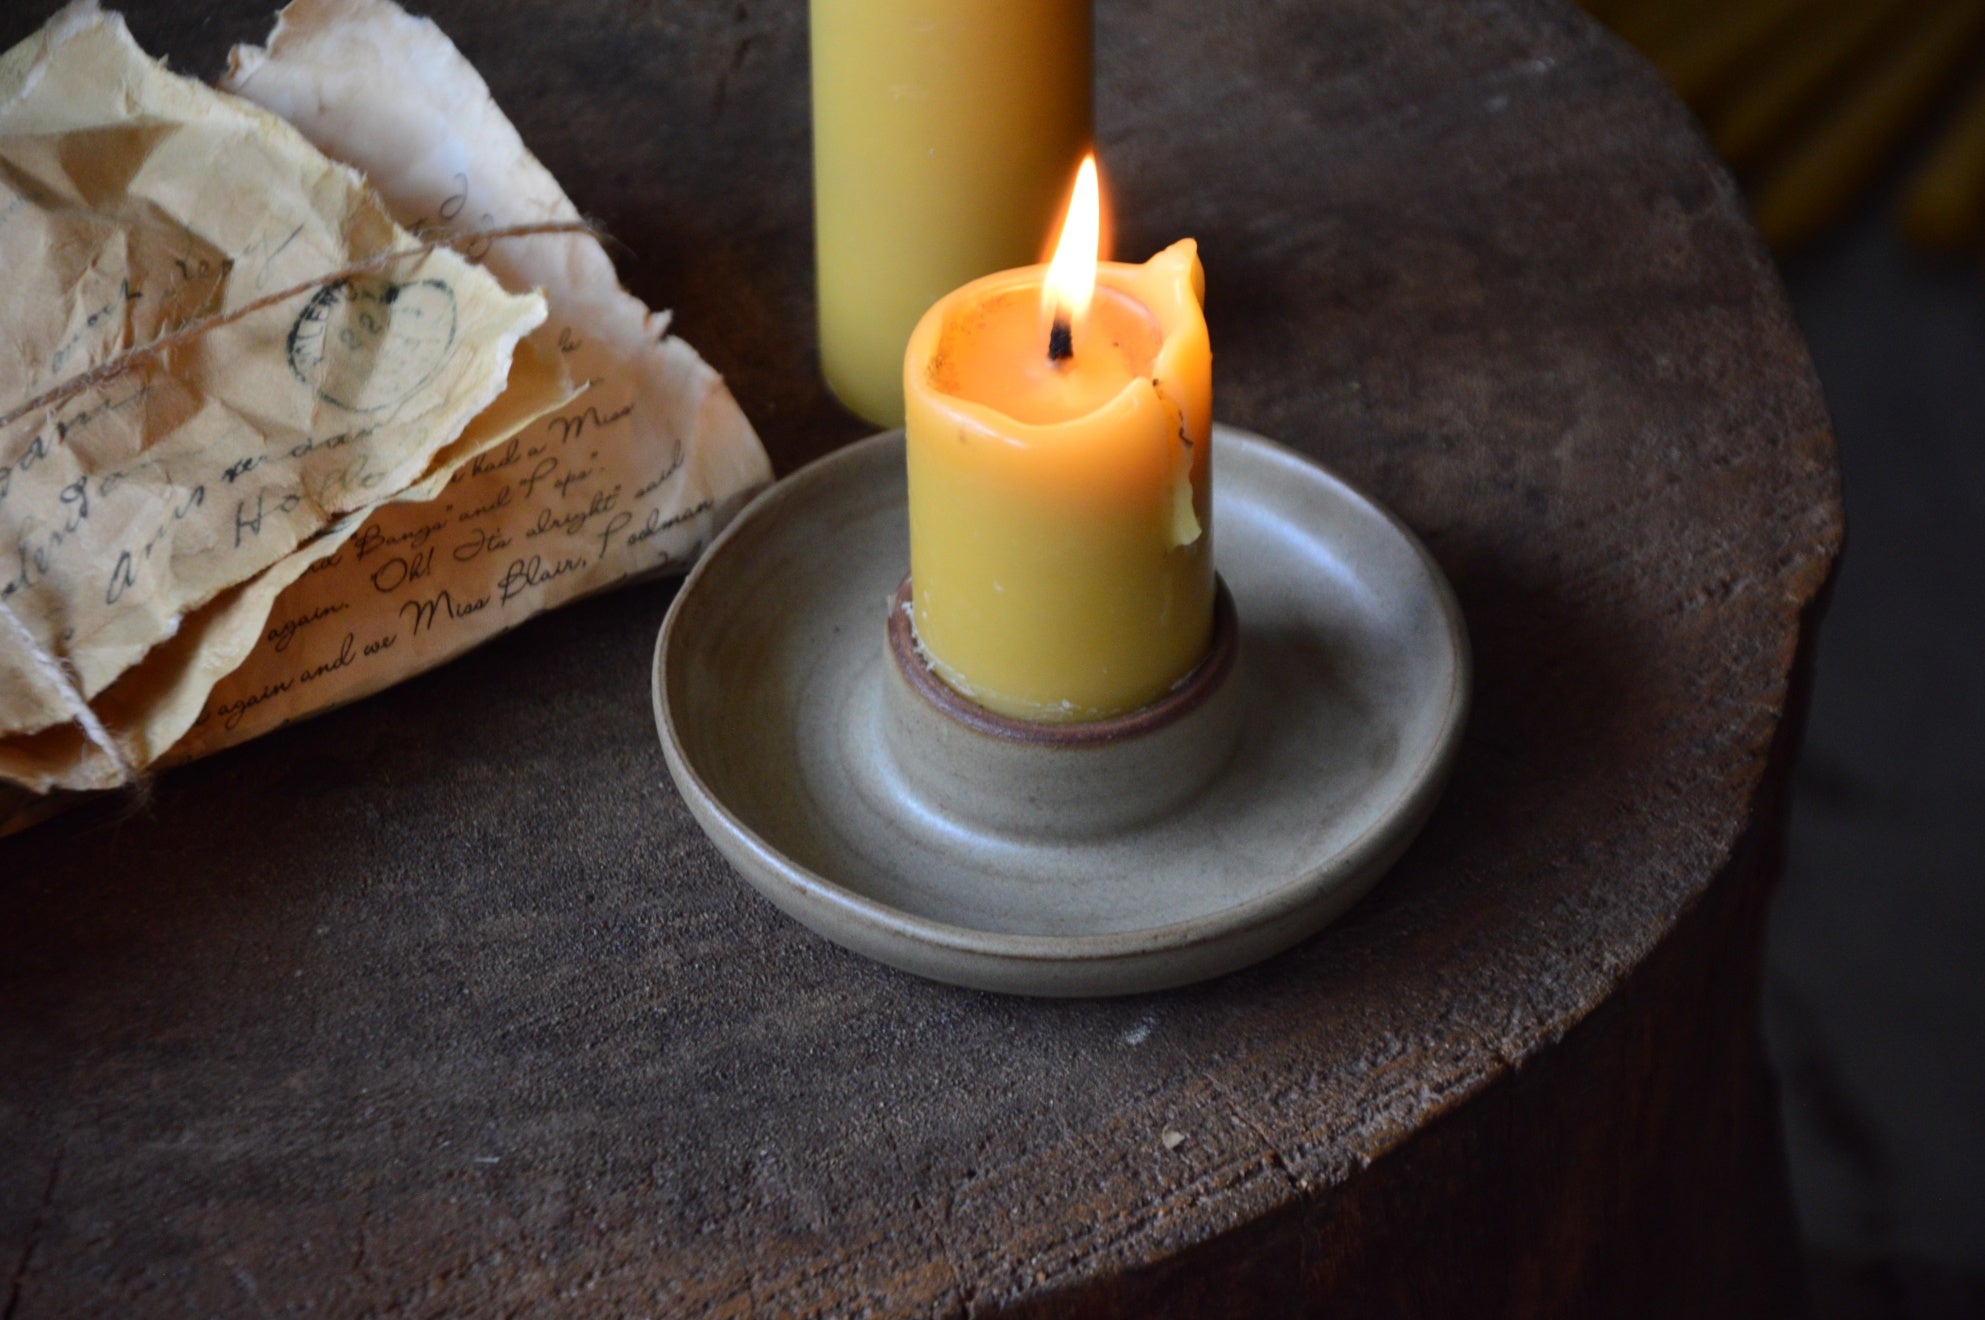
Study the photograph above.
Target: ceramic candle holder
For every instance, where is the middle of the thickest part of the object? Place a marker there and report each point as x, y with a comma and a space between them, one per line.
1217, 826
994, 773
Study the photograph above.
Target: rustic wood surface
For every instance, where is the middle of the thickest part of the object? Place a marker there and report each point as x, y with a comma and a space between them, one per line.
442, 1004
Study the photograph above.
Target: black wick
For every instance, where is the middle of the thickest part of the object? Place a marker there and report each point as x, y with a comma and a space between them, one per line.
1061, 341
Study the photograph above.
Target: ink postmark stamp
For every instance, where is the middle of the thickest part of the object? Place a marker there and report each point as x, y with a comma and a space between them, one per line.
367, 345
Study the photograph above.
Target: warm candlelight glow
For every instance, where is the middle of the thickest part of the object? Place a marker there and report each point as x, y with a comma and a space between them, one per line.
1071, 281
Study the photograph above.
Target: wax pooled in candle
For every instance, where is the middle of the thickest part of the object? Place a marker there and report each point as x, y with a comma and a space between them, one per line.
996, 355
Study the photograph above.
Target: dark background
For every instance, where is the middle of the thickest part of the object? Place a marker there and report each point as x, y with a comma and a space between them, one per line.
1875, 977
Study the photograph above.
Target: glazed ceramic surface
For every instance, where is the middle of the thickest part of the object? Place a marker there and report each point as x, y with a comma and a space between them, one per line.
998, 778
773, 699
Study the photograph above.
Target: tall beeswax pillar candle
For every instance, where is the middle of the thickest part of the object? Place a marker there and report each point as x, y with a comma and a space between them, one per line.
944, 136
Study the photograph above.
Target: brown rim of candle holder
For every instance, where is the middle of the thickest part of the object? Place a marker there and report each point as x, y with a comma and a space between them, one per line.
1187, 695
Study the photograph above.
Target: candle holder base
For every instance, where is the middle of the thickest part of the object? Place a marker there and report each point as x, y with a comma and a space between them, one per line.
1058, 781
1222, 824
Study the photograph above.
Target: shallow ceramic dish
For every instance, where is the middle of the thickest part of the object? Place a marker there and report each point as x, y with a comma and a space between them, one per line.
1353, 677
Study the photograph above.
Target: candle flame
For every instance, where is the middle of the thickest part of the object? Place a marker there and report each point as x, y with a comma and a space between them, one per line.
1071, 281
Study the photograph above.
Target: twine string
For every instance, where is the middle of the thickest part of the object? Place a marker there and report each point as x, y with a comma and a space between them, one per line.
60, 677
116, 366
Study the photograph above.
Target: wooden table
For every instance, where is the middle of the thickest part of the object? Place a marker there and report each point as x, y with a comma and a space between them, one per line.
442, 1003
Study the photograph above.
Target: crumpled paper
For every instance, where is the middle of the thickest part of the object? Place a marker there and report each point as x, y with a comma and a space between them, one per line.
544, 497
632, 479
132, 202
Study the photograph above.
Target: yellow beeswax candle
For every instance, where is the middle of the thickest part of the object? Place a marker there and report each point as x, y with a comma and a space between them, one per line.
1061, 554
944, 135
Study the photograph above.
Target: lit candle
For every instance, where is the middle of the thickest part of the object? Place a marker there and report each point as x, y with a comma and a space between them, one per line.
944, 132
1059, 422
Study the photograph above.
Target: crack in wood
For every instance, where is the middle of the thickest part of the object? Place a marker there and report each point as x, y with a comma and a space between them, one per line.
1272, 1151
35, 1228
